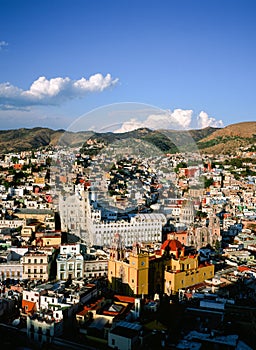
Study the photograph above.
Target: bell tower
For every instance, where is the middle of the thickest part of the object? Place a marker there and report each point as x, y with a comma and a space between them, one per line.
117, 249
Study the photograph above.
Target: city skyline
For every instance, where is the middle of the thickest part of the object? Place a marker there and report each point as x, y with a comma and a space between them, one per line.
192, 60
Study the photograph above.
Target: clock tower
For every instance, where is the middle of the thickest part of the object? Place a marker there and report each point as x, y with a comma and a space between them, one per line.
139, 270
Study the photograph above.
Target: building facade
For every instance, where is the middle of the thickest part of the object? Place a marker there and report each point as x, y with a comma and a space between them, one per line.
128, 276
42, 327
95, 268
72, 209
36, 265
139, 228
183, 271
70, 262
144, 273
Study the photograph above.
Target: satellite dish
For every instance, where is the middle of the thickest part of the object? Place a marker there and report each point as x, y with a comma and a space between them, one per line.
16, 322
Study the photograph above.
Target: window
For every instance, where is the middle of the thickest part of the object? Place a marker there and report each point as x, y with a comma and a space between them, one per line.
113, 342
35, 261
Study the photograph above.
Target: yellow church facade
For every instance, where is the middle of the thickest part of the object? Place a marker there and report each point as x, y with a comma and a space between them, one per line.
130, 276
142, 274
185, 272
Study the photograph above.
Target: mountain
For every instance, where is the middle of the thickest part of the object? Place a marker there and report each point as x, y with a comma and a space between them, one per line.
213, 140
17, 140
229, 139
24, 139
27, 139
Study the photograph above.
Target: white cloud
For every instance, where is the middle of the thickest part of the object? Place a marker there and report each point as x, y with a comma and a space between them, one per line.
52, 91
3, 44
178, 119
203, 120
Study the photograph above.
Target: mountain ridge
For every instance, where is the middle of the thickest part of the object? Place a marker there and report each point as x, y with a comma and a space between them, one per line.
208, 140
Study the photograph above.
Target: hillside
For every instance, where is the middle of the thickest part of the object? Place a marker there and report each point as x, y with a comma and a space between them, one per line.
17, 140
229, 139
26, 139
209, 140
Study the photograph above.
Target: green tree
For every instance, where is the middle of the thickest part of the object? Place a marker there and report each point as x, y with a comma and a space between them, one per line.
180, 165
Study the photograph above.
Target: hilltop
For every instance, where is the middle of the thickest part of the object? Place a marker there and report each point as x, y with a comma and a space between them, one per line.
230, 138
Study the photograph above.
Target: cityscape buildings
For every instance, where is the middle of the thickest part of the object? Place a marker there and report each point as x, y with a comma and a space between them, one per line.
76, 261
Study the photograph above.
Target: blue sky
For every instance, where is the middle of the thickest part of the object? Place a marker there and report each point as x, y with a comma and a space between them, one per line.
60, 59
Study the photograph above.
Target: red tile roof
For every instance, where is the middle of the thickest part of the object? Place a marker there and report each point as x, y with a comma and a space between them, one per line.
28, 306
124, 298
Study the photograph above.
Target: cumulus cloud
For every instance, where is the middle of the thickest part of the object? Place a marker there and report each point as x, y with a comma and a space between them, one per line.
3, 44
52, 91
203, 121
179, 119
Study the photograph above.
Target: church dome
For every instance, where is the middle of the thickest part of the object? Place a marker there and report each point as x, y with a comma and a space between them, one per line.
172, 245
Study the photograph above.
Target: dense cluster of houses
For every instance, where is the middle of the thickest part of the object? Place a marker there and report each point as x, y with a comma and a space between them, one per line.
78, 261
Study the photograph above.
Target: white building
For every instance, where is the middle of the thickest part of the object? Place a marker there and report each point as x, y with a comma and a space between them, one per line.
72, 209
125, 335
70, 262
139, 228
95, 268
11, 269
12, 223
43, 326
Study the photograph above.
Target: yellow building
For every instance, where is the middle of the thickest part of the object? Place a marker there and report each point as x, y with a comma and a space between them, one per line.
41, 215
40, 181
142, 273
128, 276
28, 231
183, 271
51, 239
